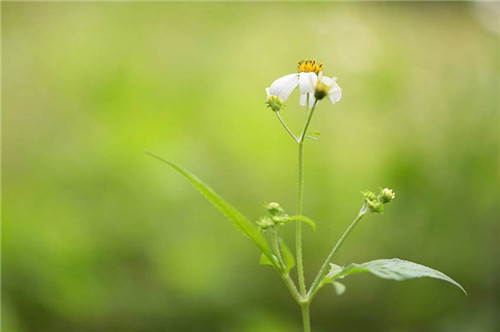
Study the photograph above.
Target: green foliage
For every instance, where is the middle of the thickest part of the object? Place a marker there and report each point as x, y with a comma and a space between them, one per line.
87, 222
287, 256
306, 220
338, 287
264, 260
242, 223
393, 269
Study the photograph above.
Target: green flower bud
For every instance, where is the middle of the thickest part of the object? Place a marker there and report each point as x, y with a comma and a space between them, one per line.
274, 102
369, 195
274, 209
374, 206
281, 219
374, 203
386, 195
265, 223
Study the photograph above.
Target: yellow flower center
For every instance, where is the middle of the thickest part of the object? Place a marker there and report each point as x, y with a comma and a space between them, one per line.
310, 66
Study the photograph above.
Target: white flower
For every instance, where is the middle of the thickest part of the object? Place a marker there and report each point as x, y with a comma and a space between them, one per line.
326, 87
307, 81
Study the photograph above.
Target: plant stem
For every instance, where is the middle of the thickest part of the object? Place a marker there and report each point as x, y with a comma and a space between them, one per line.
278, 250
298, 226
317, 281
306, 321
285, 276
286, 127
306, 125
291, 286
300, 200
304, 304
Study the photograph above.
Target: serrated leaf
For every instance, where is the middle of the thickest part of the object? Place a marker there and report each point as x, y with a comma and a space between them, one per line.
396, 269
287, 256
242, 223
339, 288
306, 220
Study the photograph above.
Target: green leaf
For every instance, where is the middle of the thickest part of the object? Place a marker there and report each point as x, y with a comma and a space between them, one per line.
395, 269
313, 135
339, 288
304, 219
287, 256
264, 260
242, 223
334, 270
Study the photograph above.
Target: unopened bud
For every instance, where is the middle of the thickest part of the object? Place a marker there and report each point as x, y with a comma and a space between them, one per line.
274, 102
265, 223
387, 195
274, 209
281, 219
375, 203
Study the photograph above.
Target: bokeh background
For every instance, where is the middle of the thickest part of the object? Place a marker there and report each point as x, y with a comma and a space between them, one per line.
98, 236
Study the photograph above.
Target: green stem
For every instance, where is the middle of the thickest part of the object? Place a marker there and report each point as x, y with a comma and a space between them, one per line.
300, 200
286, 127
277, 249
298, 226
305, 317
316, 285
306, 125
285, 276
291, 286
302, 298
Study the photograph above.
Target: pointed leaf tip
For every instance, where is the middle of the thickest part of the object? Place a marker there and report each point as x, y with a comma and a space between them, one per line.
397, 269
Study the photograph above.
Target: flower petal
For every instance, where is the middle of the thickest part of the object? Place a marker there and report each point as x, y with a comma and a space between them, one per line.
284, 86
312, 100
335, 93
327, 80
307, 82
303, 99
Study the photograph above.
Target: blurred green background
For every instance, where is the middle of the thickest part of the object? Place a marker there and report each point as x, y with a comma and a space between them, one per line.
98, 236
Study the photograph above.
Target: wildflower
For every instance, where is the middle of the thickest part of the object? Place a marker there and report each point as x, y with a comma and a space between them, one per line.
327, 87
306, 80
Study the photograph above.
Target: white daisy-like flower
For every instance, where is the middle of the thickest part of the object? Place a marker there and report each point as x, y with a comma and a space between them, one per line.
306, 80
326, 87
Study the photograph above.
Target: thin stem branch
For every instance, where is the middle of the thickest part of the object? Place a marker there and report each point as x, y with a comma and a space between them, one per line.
277, 249
316, 283
285, 276
306, 124
291, 286
286, 127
